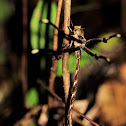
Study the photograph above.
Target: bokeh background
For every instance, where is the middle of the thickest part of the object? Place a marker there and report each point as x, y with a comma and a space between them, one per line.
102, 85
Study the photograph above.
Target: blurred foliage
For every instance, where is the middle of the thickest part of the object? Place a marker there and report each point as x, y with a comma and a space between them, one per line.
39, 31
72, 63
33, 124
32, 98
5, 10
41, 12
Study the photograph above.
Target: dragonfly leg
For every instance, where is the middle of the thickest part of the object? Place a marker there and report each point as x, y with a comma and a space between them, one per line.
80, 41
94, 41
70, 28
95, 55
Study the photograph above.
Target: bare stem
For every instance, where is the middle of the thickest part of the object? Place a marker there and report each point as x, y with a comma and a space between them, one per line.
66, 75
54, 60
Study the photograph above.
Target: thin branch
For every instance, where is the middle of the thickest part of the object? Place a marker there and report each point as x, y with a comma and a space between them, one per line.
66, 75
55, 39
79, 113
65, 70
54, 59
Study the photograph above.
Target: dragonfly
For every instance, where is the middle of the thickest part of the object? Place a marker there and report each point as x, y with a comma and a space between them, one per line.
78, 42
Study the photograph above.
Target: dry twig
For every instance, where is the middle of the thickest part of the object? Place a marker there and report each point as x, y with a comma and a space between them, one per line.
54, 60
66, 75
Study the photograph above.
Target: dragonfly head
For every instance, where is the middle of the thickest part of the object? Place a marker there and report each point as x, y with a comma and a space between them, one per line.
79, 31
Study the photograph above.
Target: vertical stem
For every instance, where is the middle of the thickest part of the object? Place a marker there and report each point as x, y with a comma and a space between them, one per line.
55, 39
66, 75
54, 60
24, 46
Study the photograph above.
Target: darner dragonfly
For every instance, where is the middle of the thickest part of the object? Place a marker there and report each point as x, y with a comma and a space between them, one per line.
78, 42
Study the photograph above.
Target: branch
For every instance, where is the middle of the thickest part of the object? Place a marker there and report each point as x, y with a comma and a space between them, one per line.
55, 39
74, 88
66, 75
54, 59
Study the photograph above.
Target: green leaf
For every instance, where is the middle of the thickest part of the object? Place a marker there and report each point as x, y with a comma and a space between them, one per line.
32, 98
72, 63
59, 68
41, 12
39, 40
34, 25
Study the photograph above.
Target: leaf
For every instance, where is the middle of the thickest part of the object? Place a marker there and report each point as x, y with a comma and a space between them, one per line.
72, 63
59, 68
41, 12
34, 25
39, 31
32, 98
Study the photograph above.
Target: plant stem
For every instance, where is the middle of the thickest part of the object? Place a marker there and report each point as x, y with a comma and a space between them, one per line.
55, 39
54, 60
66, 75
